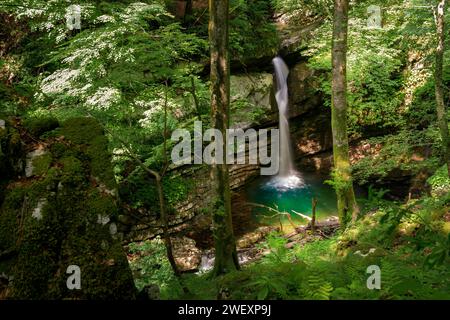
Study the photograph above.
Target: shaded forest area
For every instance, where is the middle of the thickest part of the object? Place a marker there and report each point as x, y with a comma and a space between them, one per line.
93, 206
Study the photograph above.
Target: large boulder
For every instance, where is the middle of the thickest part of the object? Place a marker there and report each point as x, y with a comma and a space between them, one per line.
59, 217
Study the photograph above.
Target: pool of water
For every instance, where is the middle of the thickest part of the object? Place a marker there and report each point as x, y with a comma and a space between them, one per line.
289, 196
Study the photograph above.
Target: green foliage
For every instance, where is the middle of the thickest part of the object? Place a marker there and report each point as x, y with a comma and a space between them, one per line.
140, 191
374, 198
298, 8
317, 288
387, 91
440, 253
176, 189
338, 182
439, 182
38, 126
150, 266
249, 20
277, 247
398, 152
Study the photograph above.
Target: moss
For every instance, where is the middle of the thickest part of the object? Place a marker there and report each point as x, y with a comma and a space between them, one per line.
101, 162
41, 164
68, 231
72, 171
38, 126
3, 133
97, 204
89, 133
58, 149
15, 143
9, 218
81, 130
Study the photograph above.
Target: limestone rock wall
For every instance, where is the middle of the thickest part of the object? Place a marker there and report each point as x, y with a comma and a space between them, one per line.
252, 106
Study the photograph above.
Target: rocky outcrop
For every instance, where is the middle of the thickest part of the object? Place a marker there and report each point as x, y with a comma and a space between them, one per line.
187, 255
252, 106
252, 100
59, 215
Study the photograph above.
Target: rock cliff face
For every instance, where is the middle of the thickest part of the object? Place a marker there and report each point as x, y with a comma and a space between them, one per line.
58, 209
252, 106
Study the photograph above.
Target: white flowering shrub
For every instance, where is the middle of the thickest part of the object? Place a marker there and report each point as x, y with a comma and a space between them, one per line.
439, 182
126, 62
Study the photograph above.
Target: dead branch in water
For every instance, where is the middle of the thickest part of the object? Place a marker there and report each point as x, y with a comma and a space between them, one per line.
279, 213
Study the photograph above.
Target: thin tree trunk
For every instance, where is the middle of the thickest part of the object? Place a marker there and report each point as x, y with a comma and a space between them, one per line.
165, 225
346, 201
162, 203
439, 85
196, 102
162, 206
313, 216
225, 246
188, 10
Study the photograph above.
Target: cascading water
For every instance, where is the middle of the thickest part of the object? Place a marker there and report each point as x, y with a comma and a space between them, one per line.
288, 177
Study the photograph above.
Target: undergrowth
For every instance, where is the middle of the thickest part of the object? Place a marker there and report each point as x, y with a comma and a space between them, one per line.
410, 243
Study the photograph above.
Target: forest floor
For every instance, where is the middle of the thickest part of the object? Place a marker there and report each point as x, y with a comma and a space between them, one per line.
409, 243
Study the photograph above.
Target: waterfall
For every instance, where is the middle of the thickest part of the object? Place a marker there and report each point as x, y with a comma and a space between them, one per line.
281, 74
288, 177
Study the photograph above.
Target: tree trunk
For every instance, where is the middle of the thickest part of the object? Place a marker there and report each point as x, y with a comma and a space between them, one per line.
165, 226
346, 201
188, 10
313, 215
159, 186
225, 246
439, 85
196, 102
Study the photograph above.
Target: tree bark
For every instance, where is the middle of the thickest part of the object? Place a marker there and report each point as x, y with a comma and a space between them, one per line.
165, 226
313, 215
346, 201
439, 85
225, 246
196, 102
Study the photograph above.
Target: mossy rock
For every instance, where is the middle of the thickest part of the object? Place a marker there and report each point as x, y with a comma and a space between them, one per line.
89, 134
9, 222
41, 125
11, 150
41, 164
62, 216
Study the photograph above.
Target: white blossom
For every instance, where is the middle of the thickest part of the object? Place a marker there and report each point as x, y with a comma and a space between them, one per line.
104, 98
104, 19
59, 81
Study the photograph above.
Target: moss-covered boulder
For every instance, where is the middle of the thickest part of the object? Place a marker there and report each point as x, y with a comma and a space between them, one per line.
62, 215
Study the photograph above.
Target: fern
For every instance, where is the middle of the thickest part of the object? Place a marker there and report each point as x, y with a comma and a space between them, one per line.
317, 288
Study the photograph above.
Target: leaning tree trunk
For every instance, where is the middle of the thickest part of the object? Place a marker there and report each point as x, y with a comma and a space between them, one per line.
225, 246
439, 85
346, 202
